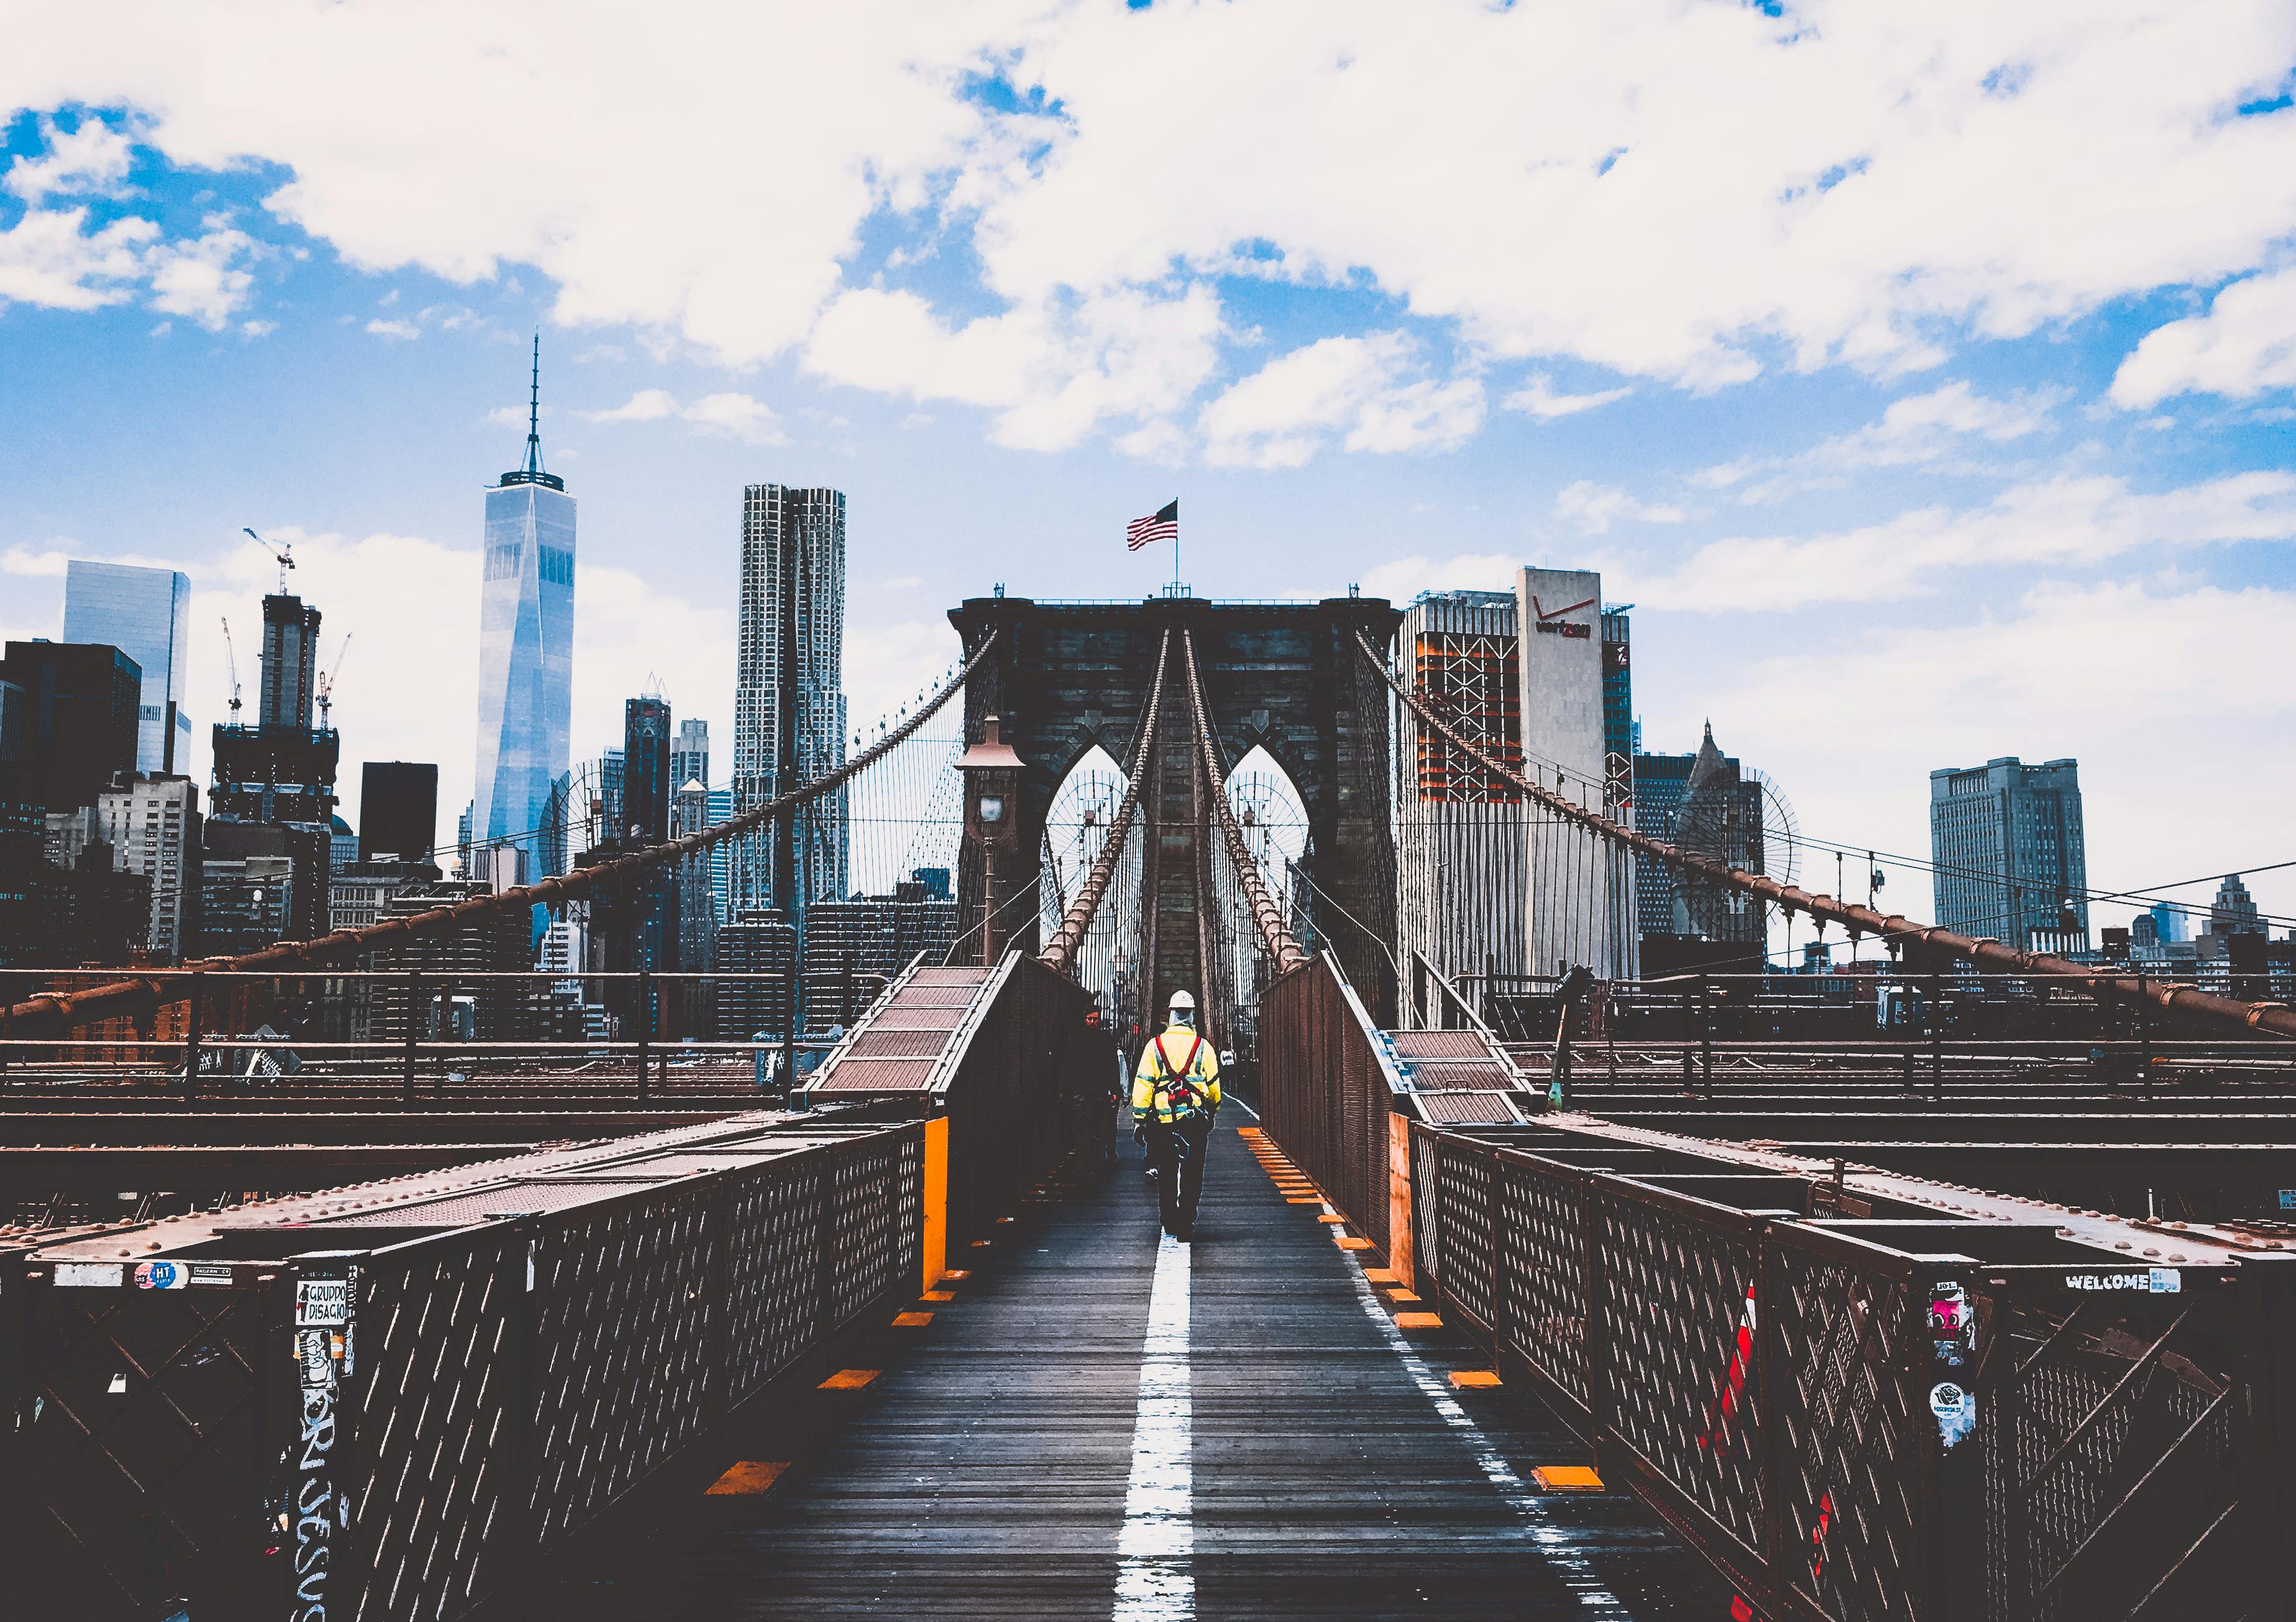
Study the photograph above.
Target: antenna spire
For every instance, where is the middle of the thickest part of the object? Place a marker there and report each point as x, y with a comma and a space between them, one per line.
534, 412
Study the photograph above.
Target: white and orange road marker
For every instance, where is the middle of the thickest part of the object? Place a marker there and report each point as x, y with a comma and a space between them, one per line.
911, 1319
1474, 1379
848, 1380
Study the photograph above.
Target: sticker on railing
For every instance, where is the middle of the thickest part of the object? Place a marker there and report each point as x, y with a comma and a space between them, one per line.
2155, 1280
1953, 1327
1733, 1378
160, 1276
322, 1301
1956, 1407
90, 1275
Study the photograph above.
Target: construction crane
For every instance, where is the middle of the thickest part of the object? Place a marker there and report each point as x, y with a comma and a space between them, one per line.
326, 681
285, 555
231, 658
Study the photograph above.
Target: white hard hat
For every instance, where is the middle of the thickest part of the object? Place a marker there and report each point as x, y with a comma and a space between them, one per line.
1181, 999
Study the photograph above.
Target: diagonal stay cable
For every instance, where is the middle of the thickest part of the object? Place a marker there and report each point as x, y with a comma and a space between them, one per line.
1274, 931
2272, 1018
49, 1011
1061, 951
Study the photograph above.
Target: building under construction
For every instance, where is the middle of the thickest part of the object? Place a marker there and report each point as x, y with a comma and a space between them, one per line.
1461, 846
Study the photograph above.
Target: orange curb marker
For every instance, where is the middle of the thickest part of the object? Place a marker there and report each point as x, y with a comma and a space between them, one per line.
1330, 1215
938, 1295
1354, 1244
1568, 1479
1418, 1320
1303, 1200
1474, 1379
911, 1320
745, 1480
1379, 1275
958, 1276
847, 1380
1401, 1295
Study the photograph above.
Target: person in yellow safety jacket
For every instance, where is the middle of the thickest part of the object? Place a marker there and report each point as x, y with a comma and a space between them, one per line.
1176, 1094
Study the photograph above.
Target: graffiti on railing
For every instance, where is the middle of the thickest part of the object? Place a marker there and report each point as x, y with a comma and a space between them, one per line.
318, 1508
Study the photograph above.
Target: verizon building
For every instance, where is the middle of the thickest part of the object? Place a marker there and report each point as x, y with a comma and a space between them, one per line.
1578, 905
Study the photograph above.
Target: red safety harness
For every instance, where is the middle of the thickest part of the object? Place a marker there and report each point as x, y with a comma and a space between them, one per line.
1185, 1099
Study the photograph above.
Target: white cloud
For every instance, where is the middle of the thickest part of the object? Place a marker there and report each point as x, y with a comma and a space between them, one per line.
89, 160
1686, 191
1916, 430
52, 258
646, 406
198, 277
737, 416
1594, 507
394, 329
1913, 430
1365, 389
1539, 399
1053, 371
2061, 522
507, 416
2245, 345
258, 329
1405, 579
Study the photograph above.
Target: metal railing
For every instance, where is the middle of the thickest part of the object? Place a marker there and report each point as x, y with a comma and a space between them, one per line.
493, 1369
1882, 1421
1326, 1088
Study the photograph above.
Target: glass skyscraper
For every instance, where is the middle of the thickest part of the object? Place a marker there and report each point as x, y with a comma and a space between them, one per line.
2010, 857
145, 613
526, 651
789, 694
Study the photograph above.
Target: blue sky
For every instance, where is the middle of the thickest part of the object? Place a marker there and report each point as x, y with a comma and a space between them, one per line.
1928, 381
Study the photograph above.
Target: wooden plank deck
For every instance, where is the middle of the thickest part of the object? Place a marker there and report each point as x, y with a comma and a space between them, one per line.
983, 1472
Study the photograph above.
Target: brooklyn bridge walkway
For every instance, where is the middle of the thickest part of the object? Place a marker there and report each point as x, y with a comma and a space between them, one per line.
1097, 1423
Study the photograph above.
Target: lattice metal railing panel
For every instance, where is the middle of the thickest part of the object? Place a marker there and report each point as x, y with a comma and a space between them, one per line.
623, 1338
1427, 1211
873, 1227
1467, 1253
1849, 1413
1679, 1316
773, 1270
1543, 1280
141, 1481
2117, 1440
436, 1413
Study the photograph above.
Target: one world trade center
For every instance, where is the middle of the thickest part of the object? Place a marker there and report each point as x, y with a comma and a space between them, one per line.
526, 660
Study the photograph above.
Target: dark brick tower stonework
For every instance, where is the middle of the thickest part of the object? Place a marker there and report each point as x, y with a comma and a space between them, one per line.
1285, 677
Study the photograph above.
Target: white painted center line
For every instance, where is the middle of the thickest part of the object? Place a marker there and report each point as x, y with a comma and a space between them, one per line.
1155, 1581
1567, 1560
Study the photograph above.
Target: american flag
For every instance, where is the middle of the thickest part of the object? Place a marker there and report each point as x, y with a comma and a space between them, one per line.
1161, 525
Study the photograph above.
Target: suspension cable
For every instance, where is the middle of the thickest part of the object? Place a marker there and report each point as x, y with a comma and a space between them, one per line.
1061, 951
2273, 1019
49, 1010
1274, 931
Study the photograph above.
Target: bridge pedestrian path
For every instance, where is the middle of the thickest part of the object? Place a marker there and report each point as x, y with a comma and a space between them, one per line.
1098, 1421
